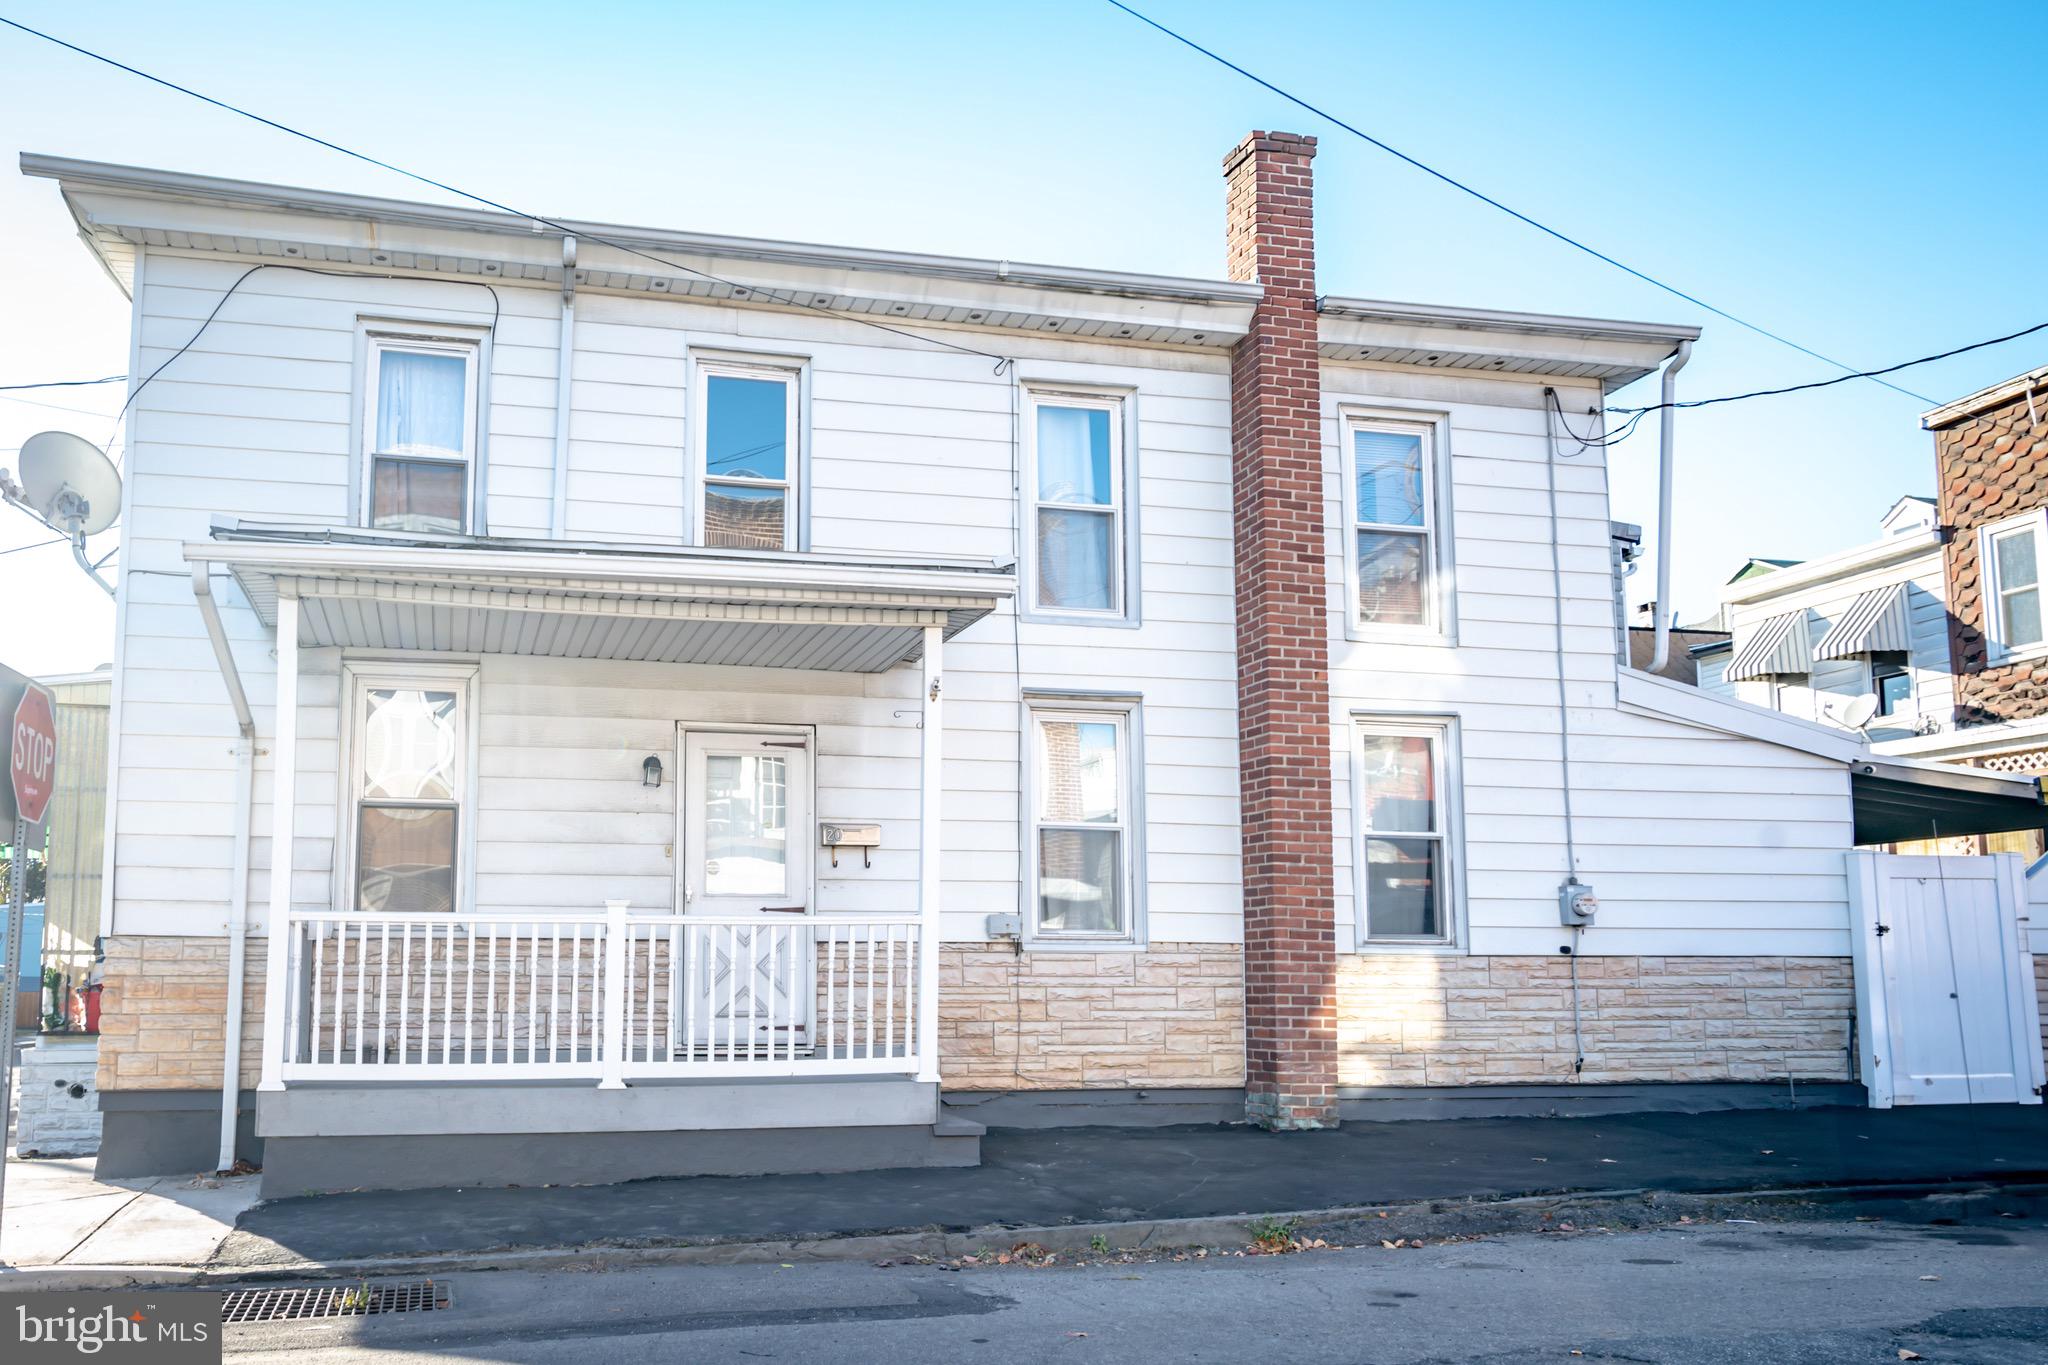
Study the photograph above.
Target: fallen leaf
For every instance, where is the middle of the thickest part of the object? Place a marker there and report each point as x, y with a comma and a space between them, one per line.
1533, 1158
1905, 1354
1077, 1334
1930, 1277
1385, 1243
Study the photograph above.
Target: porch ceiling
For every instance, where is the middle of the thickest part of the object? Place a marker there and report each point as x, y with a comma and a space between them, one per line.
590, 602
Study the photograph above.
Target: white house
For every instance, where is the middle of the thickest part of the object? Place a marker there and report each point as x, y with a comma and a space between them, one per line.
734, 705
1865, 625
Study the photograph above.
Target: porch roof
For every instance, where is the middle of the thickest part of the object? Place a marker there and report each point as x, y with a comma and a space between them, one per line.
474, 594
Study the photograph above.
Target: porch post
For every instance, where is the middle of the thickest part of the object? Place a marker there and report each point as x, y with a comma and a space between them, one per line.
929, 851
615, 986
284, 769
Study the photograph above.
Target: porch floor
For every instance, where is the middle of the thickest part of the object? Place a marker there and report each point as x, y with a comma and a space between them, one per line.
1051, 1176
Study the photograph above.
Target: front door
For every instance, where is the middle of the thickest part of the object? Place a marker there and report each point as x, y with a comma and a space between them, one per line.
747, 873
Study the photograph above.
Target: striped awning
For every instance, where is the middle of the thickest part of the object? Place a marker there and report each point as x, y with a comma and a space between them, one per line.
1772, 648
1875, 623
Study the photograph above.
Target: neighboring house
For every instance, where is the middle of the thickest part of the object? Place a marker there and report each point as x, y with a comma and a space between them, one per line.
704, 731
1812, 638
1991, 455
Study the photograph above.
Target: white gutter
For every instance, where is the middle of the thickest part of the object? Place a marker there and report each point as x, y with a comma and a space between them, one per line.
1665, 414
238, 885
565, 370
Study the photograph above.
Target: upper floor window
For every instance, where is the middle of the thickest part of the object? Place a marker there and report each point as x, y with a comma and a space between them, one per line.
1891, 683
1081, 824
747, 431
420, 434
2009, 569
1074, 490
1390, 469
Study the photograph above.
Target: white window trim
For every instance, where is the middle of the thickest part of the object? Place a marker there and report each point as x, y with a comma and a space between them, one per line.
373, 338
1121, 405
1997, 652
1126, 713
358, 677
794, 372
1440, 600
1449, 760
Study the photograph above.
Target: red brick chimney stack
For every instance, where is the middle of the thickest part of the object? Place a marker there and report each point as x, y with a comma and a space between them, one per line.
1283, 656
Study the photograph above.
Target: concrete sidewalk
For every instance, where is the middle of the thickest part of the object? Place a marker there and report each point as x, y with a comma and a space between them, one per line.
63, 1227
59, 1216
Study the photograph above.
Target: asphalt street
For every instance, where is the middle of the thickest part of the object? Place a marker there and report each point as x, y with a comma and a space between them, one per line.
1823, 1293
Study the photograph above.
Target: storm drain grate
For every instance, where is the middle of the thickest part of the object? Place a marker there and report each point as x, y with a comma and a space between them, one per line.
332, 1301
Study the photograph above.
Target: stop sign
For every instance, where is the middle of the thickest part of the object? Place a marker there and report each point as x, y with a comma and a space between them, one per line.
33, 742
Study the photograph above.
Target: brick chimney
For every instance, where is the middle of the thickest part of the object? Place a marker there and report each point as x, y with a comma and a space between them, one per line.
1283, 651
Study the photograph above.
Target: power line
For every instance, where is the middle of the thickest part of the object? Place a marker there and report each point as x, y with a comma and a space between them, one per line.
744, 290
1841, 379
35, 545
1488, 199
62, 383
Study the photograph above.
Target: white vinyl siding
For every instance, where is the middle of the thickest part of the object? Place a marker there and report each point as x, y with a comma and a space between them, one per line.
1696, 842
911, 453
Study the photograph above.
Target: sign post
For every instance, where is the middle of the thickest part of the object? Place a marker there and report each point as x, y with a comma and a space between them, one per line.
31, 722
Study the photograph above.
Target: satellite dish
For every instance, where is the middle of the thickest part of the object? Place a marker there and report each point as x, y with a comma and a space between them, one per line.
1858, 712
69, 483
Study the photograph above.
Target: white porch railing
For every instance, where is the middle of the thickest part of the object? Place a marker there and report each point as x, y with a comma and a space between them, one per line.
606, 997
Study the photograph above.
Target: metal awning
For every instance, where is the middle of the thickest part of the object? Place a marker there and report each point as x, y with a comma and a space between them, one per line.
472, 595
1777, 646
1896, 800
1875, 623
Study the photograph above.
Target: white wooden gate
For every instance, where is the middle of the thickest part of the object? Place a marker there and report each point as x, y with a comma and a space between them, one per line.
1945, 1007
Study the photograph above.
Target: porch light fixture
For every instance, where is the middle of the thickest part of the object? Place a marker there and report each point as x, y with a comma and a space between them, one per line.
650, 772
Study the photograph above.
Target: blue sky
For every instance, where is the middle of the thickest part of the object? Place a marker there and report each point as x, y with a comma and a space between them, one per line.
1858, 177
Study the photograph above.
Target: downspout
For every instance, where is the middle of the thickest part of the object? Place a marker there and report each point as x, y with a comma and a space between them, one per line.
1665, 414
565, 373
238, 885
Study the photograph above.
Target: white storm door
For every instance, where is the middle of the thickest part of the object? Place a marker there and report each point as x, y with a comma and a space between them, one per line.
747, 871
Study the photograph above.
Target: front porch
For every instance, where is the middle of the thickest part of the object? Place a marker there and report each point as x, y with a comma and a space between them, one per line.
406, 1005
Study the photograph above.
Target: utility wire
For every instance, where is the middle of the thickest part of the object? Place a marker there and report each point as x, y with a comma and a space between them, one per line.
743, 290
62, 383
37, 545
1841, 379
1488, 199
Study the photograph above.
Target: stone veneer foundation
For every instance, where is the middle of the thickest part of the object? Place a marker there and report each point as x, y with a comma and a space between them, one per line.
1172, 1016
1412, 1019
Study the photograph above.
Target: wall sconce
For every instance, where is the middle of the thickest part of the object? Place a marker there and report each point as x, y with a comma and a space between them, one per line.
650, 772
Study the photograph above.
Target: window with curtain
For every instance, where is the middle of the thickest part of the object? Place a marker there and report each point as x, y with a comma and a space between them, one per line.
1081, 824
1402, 870
409, 759
1077, 518
1393, 522
748, 433
421, 434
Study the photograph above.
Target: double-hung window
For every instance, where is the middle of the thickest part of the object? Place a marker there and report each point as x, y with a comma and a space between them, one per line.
409, 761
419, 434
1404, 849
1074, 490
1081, 824
747, 431
1390, 492
2009, 569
